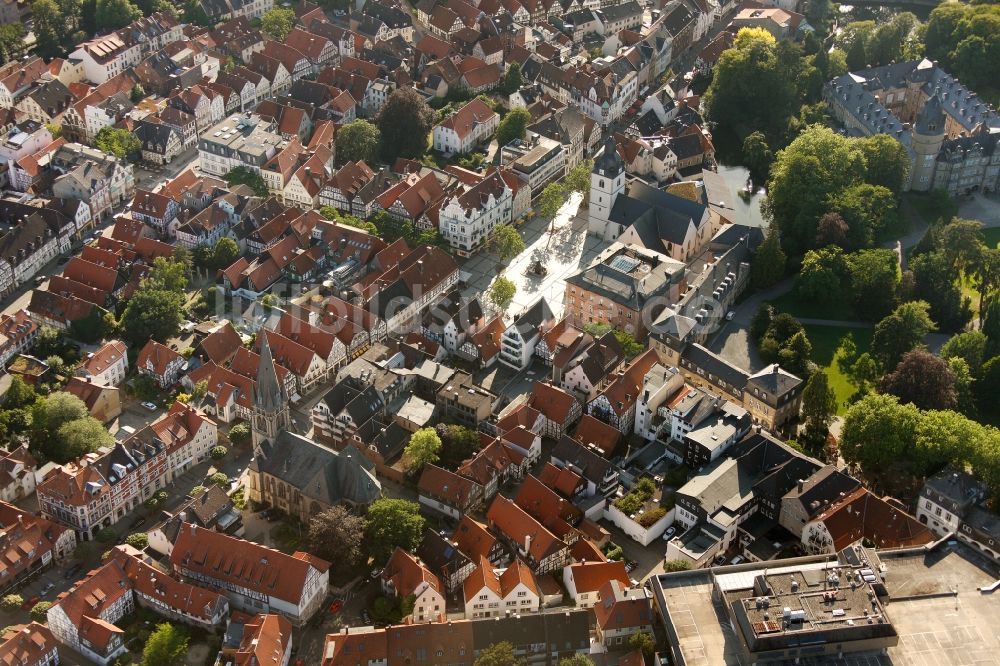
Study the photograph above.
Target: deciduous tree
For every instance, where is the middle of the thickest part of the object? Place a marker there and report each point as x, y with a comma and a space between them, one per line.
404, 122
114, 14
337, 535
277, 23
391, 523
900, 332
84, 435
166, 646
506, 243
768, 265
117, 142
970, 346
358, 140
424, 447
512, 126
501, 292
923, 379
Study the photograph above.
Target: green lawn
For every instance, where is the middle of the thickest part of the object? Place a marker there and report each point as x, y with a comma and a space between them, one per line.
840, 309
824, 341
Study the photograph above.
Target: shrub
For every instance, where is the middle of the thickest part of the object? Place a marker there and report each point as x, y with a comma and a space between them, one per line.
39, 610
628, 504
615, 553
676, 565
220, 479
11, 602
219, 452
650, 517
198, 490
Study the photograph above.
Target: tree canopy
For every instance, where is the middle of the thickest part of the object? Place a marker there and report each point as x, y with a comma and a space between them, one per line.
501, 292
244, 176
900, 332
424, 447
276, 23
506, 243
404, 121
965, 39
923, 379
166, 646
819, 406
114, 14
390, 523
117, 142
337, 535
358, 140
513, 125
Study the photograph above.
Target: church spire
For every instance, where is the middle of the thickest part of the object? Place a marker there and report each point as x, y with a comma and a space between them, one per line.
269, 394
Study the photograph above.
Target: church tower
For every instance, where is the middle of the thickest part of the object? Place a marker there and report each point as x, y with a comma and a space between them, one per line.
270, 401
607, 181
926, 141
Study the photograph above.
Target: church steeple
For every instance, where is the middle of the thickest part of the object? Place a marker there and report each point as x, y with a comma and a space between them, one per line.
270, 400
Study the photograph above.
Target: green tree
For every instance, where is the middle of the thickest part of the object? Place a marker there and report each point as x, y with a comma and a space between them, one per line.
57, 409
753, 89
166, 646
117, 142
965, 397
193, 12
513, 126
137, 540
81, 436
358, 140
551, 200
114, 14
969, 346
512, 80
768, 265
817, 164
796, 354
870, 212
39, 612
761, 322
878, 431
499, 654
822, 275
277, 23
152, 313
643, 642
225, 252
390, 523
11, 41
48, 26
20, 394
219, 452
873, 276
819, 406
424, 447
501, 292
988, 386
11, 602
936, 283
220, 479
900, 332
578, 178
886, 162
240, 434
405, 122
965, 39
137, 94
757, 155
506, 243
244, 176
337, 535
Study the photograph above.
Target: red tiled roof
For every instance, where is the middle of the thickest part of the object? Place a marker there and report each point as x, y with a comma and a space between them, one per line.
592, 576
514, 522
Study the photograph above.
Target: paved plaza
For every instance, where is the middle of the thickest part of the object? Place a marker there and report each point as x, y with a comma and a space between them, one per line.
562, 253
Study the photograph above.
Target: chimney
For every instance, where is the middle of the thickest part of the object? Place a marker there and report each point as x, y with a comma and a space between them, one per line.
527, 543
801, 484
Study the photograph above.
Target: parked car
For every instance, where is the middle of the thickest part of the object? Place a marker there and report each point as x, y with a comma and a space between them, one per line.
736, 560
720, 559
48, 588
730, 315
138, 522
336, 606
150, 406
669, 534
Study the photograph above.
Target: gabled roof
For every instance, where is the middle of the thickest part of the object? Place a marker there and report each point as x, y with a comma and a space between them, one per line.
246, 564
444, 486
408, 574
552, 402
592, 576
521, 528
863, 515
473, 539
